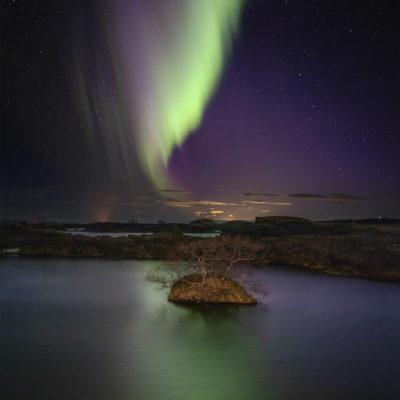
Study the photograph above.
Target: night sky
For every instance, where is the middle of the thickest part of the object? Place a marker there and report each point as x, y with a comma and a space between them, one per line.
119, 110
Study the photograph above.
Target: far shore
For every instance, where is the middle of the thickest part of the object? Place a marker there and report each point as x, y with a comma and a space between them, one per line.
365, 248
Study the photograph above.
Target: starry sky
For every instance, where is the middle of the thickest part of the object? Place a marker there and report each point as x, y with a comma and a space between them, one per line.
178, 110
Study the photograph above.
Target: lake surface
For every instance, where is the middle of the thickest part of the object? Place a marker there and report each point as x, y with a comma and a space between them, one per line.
95, 329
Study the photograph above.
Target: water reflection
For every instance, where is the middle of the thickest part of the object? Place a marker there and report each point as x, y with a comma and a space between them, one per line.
194, 352
77, 329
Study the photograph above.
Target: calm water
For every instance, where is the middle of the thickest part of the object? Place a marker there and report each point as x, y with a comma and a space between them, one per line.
95, 329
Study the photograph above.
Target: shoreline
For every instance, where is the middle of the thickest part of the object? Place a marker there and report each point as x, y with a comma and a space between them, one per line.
357, 252
302, 268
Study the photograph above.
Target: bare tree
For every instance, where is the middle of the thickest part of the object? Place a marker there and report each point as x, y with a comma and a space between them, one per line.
217, 259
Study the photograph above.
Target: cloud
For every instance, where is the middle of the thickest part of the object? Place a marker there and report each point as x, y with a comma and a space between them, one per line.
133, 204
183, 203
261, 202
23, 194
344, 196
386, 195
307, 196
208, 214
339, 198
66, 202
145, 197
199, 213
258, 194
39, 196
174, 191
210, 203
177, 204
103, 197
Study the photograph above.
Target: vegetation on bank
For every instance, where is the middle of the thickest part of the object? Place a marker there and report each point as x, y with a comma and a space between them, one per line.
370, 250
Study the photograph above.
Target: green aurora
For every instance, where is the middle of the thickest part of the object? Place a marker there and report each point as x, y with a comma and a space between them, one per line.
156, 71
185, 56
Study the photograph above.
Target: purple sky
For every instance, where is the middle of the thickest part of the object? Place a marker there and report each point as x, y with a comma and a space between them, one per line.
307, 106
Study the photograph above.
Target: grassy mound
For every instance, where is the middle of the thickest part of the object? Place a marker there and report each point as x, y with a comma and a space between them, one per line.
191, 289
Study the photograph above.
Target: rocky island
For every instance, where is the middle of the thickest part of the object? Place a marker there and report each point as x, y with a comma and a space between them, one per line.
191, 289
211, 271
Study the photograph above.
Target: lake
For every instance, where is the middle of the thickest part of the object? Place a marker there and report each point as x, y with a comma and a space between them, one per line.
96, 329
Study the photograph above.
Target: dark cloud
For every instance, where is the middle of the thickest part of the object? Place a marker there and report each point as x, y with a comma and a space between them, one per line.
258, 194
183, 203
14, 194
174, 191
343, 196
67, 202
261, 202
307, 196
334, 197
386, 195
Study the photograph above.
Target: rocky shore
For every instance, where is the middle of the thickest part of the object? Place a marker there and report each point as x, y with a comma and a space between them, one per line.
367, 249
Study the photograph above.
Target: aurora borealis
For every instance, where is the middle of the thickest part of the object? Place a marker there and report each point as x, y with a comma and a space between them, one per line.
173, 54
160, 64
183, 109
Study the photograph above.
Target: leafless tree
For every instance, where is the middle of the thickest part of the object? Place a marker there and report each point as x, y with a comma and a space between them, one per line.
225, 257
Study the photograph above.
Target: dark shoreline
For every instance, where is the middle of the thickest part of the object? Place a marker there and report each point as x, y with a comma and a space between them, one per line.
369, 250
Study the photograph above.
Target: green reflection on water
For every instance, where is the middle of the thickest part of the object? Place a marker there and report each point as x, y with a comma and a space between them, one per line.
193, 353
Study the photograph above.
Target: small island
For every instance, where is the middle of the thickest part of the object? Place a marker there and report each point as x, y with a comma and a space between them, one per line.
214, 290
211, 272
